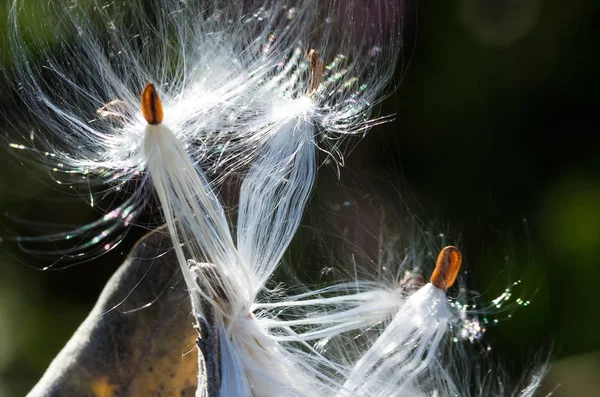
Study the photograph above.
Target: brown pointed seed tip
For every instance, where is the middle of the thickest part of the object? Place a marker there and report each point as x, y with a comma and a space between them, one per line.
313, 57
151, 105
316, 72
446, 268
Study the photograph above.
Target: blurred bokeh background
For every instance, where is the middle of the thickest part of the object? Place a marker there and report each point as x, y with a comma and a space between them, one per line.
494, 137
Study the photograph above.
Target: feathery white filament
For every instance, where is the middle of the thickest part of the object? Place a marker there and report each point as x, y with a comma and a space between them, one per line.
250, 360
414, 356
407, 341
273, 196
193, 215
406, 352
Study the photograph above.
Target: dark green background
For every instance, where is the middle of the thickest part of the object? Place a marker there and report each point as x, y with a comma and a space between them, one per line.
495, 138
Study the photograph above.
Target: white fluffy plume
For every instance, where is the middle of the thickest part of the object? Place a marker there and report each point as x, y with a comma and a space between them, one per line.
234, 78
397, 335
220, 277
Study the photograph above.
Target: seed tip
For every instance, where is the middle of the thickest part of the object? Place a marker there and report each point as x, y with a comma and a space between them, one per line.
446, 268
151, 105
316, 72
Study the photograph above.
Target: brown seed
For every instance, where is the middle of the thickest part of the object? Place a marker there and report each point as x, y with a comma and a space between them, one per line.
446, 268
316, 72
151, 105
